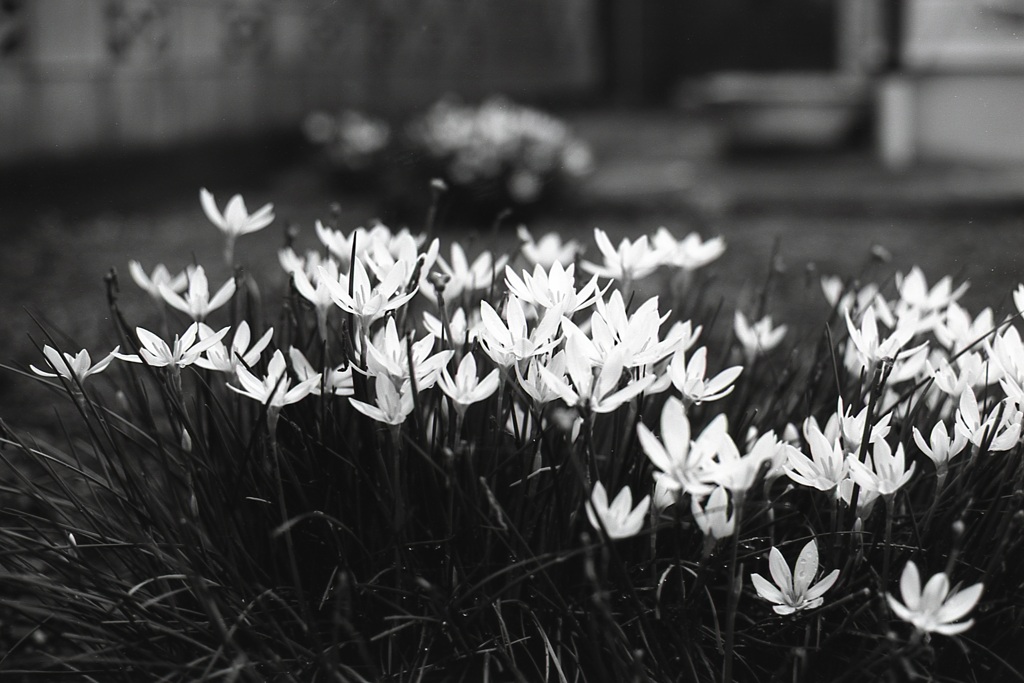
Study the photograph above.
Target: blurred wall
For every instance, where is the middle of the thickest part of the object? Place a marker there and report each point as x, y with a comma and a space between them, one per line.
960, 91
89, 74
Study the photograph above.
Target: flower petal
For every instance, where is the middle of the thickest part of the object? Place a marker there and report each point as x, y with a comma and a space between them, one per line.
935, 592
901, 610
819, 589
210, 209
766, 590
806, 568
781, 574
953, 629
910, 587
959, 604
653, 448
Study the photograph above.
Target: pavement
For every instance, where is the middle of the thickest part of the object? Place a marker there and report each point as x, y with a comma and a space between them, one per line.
673, 159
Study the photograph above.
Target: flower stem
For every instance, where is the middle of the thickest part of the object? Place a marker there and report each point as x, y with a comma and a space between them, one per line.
735, 587
890, 509
396, 477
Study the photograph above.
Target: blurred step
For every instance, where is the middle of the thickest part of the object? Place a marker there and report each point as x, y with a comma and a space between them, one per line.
780, 109
626, 134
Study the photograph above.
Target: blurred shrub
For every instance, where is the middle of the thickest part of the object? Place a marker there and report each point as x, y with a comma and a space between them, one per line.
494, 155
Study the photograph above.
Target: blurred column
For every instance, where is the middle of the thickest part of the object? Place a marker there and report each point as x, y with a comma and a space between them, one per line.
896, 121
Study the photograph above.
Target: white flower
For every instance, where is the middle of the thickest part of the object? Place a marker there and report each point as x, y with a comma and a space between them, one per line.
367, 302
865, 497
612, 326
631, 261
871, 349
160, 276
335, 381
392, 406
463, 330
290, 262
689, 253
1001, 437
318, 294
548, 250
851, 427
467, 389
222, 359
620, 519
714, 516
956, 331
77, 367
940, 448
843, 296
466, 277
738, 473
887, 473
759, 338
933, 610
533, 382
197, 302
274, 390
340, 246
971, 371
827, 466
506, 344
681, 462
793, 591
915, 295
184, 351
549, 289
689, 377
1006, 351
600, 395
388, 355
235, 220
664, 495
387, 249
637, 334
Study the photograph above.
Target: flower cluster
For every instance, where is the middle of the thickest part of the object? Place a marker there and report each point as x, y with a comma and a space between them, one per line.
496, 152
501, 146
353, 140
461, 405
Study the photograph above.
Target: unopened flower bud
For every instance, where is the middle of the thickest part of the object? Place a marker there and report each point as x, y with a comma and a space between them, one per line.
439, 280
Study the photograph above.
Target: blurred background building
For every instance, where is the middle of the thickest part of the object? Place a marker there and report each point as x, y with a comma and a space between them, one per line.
926, 79
81, 74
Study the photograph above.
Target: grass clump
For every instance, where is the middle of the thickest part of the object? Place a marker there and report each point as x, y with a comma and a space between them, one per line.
432, 467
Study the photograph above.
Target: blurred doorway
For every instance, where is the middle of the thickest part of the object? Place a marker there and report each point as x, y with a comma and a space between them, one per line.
651, 44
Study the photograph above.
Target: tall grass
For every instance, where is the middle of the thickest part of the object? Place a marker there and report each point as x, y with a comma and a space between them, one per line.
368, 513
